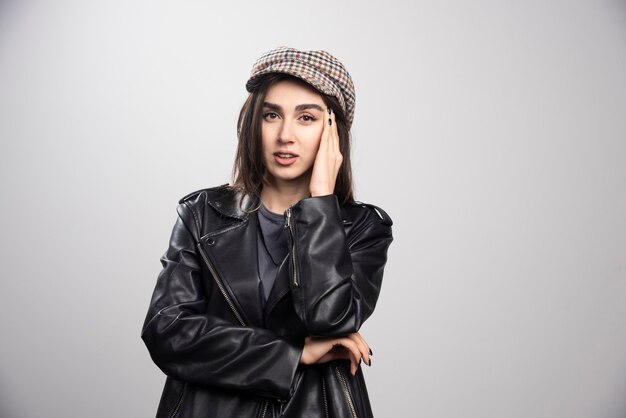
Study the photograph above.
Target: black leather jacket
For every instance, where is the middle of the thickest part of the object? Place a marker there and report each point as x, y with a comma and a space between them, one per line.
225, 352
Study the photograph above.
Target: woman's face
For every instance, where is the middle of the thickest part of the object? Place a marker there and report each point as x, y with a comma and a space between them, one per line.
293, 121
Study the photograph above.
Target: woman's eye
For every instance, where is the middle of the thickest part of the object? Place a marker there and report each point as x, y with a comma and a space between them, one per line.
270, 115
308, 118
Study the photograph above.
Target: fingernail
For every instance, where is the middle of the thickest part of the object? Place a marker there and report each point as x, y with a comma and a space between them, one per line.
330, 122
329, 110
370, 363
371, 354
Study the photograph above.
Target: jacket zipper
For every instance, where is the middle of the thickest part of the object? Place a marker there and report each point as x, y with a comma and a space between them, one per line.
292, 245
218, 281
264, 409
325, 399
178, 403
346, 390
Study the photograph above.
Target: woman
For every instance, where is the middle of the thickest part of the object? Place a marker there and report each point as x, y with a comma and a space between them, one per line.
267, 281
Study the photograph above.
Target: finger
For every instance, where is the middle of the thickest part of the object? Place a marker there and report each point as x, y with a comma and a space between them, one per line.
332, 125
343, 349
358, 340
328, 129
334, 137
363, 347
340, 353
355, 354
369, 349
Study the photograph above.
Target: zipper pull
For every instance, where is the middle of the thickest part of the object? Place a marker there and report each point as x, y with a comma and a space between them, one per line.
288, 220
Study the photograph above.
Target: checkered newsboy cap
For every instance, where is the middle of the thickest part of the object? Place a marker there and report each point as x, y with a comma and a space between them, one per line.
318, 68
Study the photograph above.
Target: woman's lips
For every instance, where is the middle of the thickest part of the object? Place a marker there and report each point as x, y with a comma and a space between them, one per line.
285, 158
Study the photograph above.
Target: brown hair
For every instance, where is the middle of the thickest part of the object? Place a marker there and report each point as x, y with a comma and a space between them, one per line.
249, 169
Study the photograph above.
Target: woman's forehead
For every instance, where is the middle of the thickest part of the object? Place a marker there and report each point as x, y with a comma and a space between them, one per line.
292, 92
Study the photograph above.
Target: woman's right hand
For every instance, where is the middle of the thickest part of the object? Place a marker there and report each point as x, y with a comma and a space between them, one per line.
352, 347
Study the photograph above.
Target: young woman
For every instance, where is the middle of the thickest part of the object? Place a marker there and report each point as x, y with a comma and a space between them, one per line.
266, 282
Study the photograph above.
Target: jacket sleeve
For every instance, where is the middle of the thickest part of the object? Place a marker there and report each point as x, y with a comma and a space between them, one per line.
189, 345
336, 281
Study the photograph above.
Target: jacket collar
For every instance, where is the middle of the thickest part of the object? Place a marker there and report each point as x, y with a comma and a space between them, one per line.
237, 204
234, 203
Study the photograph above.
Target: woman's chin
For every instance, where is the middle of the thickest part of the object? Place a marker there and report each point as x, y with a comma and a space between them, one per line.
289, 176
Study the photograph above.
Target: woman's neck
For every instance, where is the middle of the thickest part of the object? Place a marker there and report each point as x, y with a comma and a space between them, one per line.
277, 198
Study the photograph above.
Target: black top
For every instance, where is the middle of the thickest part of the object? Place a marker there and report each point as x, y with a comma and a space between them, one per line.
273, 247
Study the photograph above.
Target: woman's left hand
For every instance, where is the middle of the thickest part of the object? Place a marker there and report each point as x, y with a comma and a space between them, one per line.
327, 161
351, 347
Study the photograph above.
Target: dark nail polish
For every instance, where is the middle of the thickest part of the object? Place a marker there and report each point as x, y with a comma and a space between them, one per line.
371, 354
329, 110
330, 122
370, 363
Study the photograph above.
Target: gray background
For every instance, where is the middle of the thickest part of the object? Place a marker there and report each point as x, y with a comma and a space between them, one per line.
494, 134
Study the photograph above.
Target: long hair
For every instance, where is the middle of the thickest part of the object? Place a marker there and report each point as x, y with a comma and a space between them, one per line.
249, 168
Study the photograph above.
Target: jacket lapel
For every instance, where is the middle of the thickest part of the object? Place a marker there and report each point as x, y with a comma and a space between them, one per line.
233, 252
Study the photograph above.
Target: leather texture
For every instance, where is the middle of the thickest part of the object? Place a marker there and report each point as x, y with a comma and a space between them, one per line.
228, 354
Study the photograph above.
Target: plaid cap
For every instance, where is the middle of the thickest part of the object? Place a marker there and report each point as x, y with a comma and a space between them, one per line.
318, 68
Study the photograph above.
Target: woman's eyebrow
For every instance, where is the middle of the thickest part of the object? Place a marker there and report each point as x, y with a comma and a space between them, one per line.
300, 107
309, 106
272, 106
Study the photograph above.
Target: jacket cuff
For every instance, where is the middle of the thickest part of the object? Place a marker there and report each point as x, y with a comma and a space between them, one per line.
327, 206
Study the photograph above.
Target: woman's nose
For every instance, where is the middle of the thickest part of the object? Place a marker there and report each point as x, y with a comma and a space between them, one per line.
286, 132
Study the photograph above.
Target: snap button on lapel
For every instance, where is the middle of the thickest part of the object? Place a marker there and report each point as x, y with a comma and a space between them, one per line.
210, 241
218, 204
